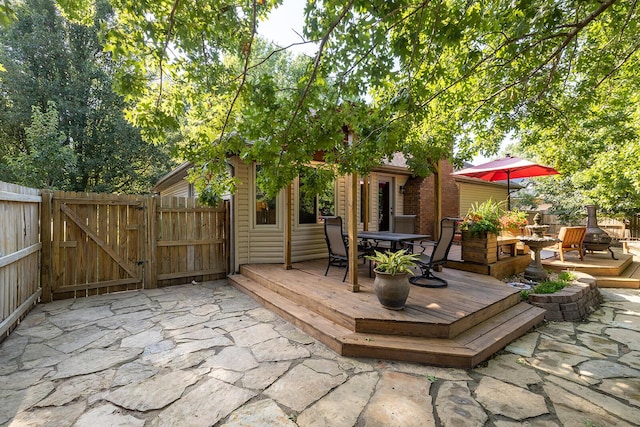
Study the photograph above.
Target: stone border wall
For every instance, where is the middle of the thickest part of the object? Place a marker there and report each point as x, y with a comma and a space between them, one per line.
572, 303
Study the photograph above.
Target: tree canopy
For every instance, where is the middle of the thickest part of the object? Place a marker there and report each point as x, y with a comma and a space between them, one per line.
61, 124
440, 79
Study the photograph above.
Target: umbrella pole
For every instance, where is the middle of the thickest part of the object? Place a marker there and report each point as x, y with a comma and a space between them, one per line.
508, 189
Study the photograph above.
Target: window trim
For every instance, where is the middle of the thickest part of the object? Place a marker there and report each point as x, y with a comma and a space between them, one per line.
296, 207
252, 210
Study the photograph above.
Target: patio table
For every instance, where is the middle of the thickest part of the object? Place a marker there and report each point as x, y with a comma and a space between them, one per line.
393, 238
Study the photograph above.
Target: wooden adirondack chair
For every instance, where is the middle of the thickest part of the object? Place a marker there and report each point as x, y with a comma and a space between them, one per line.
571, 239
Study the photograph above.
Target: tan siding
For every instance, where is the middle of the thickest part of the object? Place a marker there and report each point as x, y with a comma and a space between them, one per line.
341, 207
266, 244
307, 242
241, 216
472, 193
400, 181
266, 247
262, 244
373, 202
179, 189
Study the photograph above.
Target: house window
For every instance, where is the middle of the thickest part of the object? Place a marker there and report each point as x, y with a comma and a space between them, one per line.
265, 206
316, 199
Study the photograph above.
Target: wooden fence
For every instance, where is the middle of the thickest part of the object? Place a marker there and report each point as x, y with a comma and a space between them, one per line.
634, 226
19, 253
104, 243
99, 243
617, 229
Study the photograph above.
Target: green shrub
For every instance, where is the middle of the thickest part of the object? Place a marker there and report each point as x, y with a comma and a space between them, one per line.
567, 276
550, 286
394, 262
483, 218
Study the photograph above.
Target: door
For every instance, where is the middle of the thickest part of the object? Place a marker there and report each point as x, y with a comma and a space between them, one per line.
385, 203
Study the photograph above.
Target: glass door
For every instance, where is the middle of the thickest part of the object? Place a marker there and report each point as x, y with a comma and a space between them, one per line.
385, 203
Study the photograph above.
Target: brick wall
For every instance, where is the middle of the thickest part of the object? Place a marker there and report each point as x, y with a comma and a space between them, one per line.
419, 199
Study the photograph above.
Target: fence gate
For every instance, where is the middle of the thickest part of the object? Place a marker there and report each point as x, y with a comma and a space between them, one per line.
97, 243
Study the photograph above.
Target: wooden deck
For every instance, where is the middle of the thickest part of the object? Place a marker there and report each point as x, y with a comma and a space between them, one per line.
608, 272
457, 326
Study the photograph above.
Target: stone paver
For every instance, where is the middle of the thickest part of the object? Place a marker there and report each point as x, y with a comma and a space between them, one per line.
205, 355
400, 400
456, 407
501, 398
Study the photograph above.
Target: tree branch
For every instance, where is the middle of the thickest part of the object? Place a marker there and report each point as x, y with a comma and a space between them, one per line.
247, 51
555, 54
172, 17
626, 58
314, 71
577, 27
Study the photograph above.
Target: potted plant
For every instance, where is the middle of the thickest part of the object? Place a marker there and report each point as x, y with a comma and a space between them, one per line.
392, 283
480, 229
513, 222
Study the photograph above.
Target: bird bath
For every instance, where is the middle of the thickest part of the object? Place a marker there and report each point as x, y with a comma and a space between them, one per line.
536, 242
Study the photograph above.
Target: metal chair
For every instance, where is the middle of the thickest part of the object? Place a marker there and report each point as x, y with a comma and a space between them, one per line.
338, 246
438, 256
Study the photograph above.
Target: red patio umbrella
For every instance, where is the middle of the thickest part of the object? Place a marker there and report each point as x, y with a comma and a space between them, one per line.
508, 168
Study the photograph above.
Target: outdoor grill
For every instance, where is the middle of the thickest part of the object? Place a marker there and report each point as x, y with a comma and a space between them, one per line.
596, 239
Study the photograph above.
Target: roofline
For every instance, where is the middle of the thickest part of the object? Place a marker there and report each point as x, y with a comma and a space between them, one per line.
173, 177
469, 180
398, 170
180, 173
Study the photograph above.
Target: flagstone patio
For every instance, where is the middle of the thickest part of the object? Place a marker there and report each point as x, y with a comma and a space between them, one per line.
205, 354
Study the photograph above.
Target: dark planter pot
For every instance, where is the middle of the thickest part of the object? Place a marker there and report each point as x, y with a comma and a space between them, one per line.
392, 290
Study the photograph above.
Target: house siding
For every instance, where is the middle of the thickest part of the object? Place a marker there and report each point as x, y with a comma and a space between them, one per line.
254, 244
179, 189
240, 218
471, 193
265, 244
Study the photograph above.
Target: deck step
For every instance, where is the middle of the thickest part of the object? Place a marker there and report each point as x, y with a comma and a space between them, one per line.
464, 351
312, 323
629, 278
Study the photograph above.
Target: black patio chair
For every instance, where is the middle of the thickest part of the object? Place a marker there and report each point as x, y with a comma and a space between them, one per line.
338, 246
437, 257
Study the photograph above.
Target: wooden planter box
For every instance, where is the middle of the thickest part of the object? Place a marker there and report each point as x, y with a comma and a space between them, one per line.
480, 249
521, 248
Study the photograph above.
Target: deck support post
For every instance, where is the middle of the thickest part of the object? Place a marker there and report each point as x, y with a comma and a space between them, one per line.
352, 229
287, 229
437, 199
365, 203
